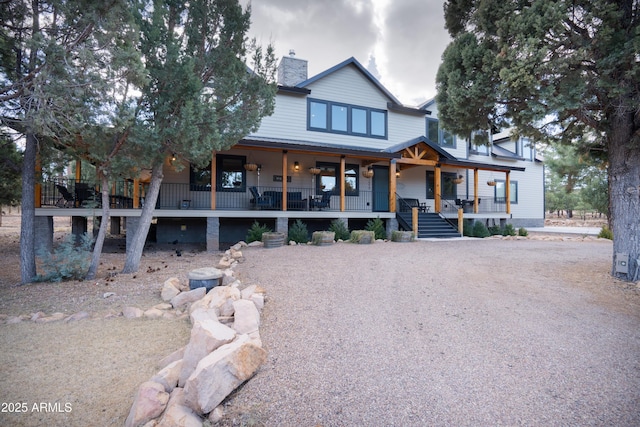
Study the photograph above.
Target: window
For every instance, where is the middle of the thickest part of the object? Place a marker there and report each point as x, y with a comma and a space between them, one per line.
440, 136
325, 116
478, 141
449, 189
500, 195
230, 175
328, 178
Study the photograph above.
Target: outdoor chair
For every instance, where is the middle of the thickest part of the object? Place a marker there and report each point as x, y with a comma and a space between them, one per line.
67, 200
322, 202
260, 201
86, 196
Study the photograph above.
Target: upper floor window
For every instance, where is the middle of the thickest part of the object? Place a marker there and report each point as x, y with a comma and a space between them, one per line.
479, 143
334, 117
438, 135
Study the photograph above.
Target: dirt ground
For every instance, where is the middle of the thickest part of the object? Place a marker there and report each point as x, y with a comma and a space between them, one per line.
87, 372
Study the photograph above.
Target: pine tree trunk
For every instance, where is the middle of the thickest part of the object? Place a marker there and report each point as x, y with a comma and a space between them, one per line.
134, 251
27, 219
102, 233
624, 192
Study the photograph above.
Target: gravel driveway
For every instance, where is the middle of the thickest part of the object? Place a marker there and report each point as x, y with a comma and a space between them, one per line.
466, 332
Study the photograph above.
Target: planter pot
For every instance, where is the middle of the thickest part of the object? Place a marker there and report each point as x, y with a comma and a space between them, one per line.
363, 237
401, 236
273, 240
323, 238
206, 277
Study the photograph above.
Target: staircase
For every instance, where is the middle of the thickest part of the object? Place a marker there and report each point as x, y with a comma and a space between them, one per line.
430, 225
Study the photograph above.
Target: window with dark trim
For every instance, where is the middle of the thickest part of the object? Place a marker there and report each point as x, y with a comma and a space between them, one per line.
327, 116
500, 195
230, 175
328, 178
440, 136
478, 143
448, 187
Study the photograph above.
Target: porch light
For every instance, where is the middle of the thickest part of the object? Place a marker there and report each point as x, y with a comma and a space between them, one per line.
368, 172
251, 167
296, 166
314, 171
458, 180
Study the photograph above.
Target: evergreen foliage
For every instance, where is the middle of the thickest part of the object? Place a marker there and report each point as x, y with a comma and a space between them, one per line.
298, 232
69, 260
508, 230
340, 229
255, 232
377, 226
480, 230
10, 172
523, 232
605, 233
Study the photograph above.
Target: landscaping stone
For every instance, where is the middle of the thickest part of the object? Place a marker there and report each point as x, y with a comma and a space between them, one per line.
178, 414
168, 376
78, 316
246, 317
221, 372
206, 336
170, 289
167, 360
188, 297
132, 312
153, 313
149, 403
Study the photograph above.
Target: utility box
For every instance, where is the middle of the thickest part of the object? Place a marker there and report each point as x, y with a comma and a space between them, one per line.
622, 263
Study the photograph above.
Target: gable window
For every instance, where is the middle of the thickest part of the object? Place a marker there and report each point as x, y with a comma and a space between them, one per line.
328, 179
326, 116
440, 136
500, 194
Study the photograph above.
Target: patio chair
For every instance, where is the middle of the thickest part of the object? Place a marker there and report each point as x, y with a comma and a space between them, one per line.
86, 196
66, 200
260, 201
322, 202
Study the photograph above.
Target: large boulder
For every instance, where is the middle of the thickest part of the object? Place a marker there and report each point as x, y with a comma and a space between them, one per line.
206, 336
179, 415
149, 403
221, 372
169, 375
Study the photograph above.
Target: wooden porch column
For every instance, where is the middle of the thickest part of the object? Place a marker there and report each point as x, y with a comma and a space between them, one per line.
78, 170
392, 186
136, 193
476, 202
285, 167
437, 182
213, 180
507, 191
342, 183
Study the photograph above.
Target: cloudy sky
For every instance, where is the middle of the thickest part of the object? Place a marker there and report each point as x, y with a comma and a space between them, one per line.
406, 38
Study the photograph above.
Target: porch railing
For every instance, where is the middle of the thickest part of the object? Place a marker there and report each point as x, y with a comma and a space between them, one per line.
485, 205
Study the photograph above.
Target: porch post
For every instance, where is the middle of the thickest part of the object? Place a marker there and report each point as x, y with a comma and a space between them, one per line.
136, 193
392, 186
78, 170
213, 183
438, 190
507, 191
342, 183
285, 167
475, 191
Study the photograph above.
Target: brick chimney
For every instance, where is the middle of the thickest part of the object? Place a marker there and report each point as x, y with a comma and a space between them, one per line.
292, 70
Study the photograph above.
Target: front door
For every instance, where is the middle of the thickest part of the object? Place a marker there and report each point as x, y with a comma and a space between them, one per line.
380, 187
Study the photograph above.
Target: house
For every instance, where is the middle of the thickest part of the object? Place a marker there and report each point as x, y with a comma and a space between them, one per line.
338, 146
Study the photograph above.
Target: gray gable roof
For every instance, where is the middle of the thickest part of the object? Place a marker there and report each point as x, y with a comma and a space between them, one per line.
359, 67
399, 147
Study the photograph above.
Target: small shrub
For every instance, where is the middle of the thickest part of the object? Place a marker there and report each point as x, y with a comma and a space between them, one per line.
605, 233
508, 230
480, 230
523, 232
340, 229
467, 228
68, 261
377, 226
494, 230
255, 232
298, 232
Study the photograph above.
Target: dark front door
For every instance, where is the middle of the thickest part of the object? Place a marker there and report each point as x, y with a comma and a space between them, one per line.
380, 188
